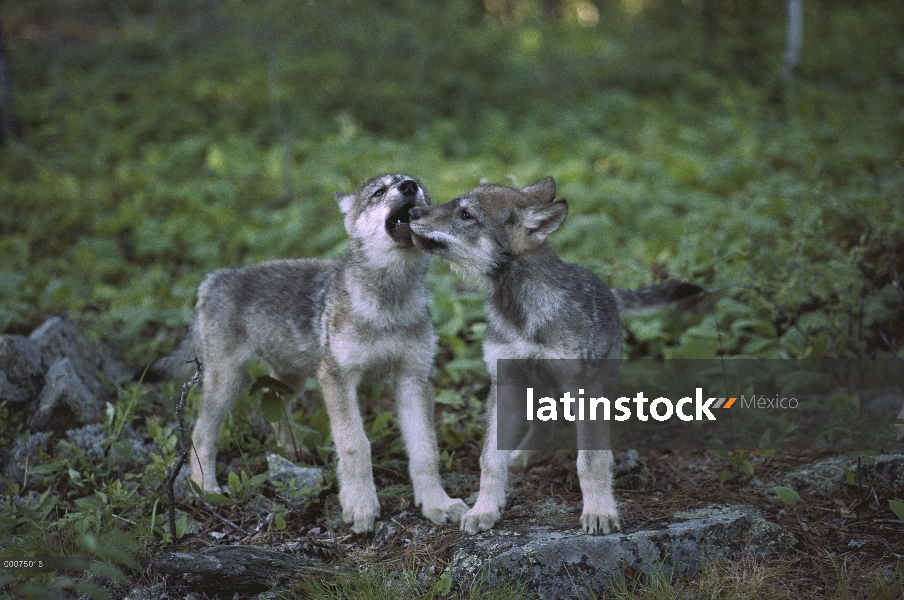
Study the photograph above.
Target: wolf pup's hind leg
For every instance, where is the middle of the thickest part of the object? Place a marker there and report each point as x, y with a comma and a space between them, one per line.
222, 382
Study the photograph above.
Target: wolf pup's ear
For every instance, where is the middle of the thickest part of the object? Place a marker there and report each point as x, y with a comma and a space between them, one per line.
544, 191
540, 221
346, 201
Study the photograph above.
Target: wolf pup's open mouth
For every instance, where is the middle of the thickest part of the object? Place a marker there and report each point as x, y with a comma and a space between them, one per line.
398, 224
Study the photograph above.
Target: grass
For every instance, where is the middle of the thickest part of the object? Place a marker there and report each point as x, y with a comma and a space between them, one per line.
752, 578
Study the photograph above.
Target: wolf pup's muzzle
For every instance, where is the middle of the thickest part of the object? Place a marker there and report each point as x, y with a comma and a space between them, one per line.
426, 244
398, 224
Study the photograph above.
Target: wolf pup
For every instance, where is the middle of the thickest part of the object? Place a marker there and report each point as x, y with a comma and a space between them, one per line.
342, 320
537, 307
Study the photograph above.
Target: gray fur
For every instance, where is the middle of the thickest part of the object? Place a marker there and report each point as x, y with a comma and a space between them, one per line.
651, 297
340, 320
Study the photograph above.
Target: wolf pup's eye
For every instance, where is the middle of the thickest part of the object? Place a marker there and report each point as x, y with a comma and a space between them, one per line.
465, 215
379, 193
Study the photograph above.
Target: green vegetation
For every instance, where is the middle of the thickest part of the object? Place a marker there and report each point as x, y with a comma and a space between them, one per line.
161, 144
751, 578
162, 140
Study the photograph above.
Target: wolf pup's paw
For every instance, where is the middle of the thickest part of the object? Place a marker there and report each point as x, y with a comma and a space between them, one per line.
476, 520
447, 510
360, 508
600, 524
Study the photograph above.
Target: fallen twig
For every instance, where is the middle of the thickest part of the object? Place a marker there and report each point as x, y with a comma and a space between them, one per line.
184, 448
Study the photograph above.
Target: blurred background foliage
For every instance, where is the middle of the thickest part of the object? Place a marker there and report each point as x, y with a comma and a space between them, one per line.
161, 139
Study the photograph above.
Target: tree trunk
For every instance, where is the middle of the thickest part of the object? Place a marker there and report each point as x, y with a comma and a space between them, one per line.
795, 35
7, 95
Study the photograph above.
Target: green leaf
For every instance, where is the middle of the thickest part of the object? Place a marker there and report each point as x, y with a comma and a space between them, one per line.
897, 508
721, 455
235, 484
154, 514
280, 522
267, 382
788, 496
393, 490
793, 381
215, 498
257, 480
453, 437
272, 407
450, 398
46, 468
444, 584
76, 477
181, 525
307, 436
849, 476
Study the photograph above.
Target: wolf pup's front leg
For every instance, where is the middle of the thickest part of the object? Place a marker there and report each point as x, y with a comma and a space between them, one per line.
357, 493
414, 401
600, 515
493, 477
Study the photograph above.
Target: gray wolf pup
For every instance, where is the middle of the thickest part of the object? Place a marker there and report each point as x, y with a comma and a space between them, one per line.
537, 307
341, 320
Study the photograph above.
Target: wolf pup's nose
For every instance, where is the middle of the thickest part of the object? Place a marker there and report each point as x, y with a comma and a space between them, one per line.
408, 187
415, 213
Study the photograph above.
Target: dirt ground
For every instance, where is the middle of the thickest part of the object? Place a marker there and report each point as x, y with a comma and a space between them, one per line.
853, 527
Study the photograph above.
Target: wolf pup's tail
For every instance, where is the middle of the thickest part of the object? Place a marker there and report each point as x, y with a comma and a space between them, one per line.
651, 297
179, 364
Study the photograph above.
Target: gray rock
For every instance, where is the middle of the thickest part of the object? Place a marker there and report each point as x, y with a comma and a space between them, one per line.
152, 592
564, 563
823, 477
192, 525
132, 449
88, 439
885, 471
284, 471
23, 453
128, 449
21, 369
828, 476
66, 400
630, 471
306, 484
58, 338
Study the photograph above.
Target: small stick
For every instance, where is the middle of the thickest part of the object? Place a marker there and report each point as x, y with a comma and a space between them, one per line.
184, 447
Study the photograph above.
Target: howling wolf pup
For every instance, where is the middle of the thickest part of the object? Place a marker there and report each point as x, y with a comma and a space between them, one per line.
538, 307
340, 320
